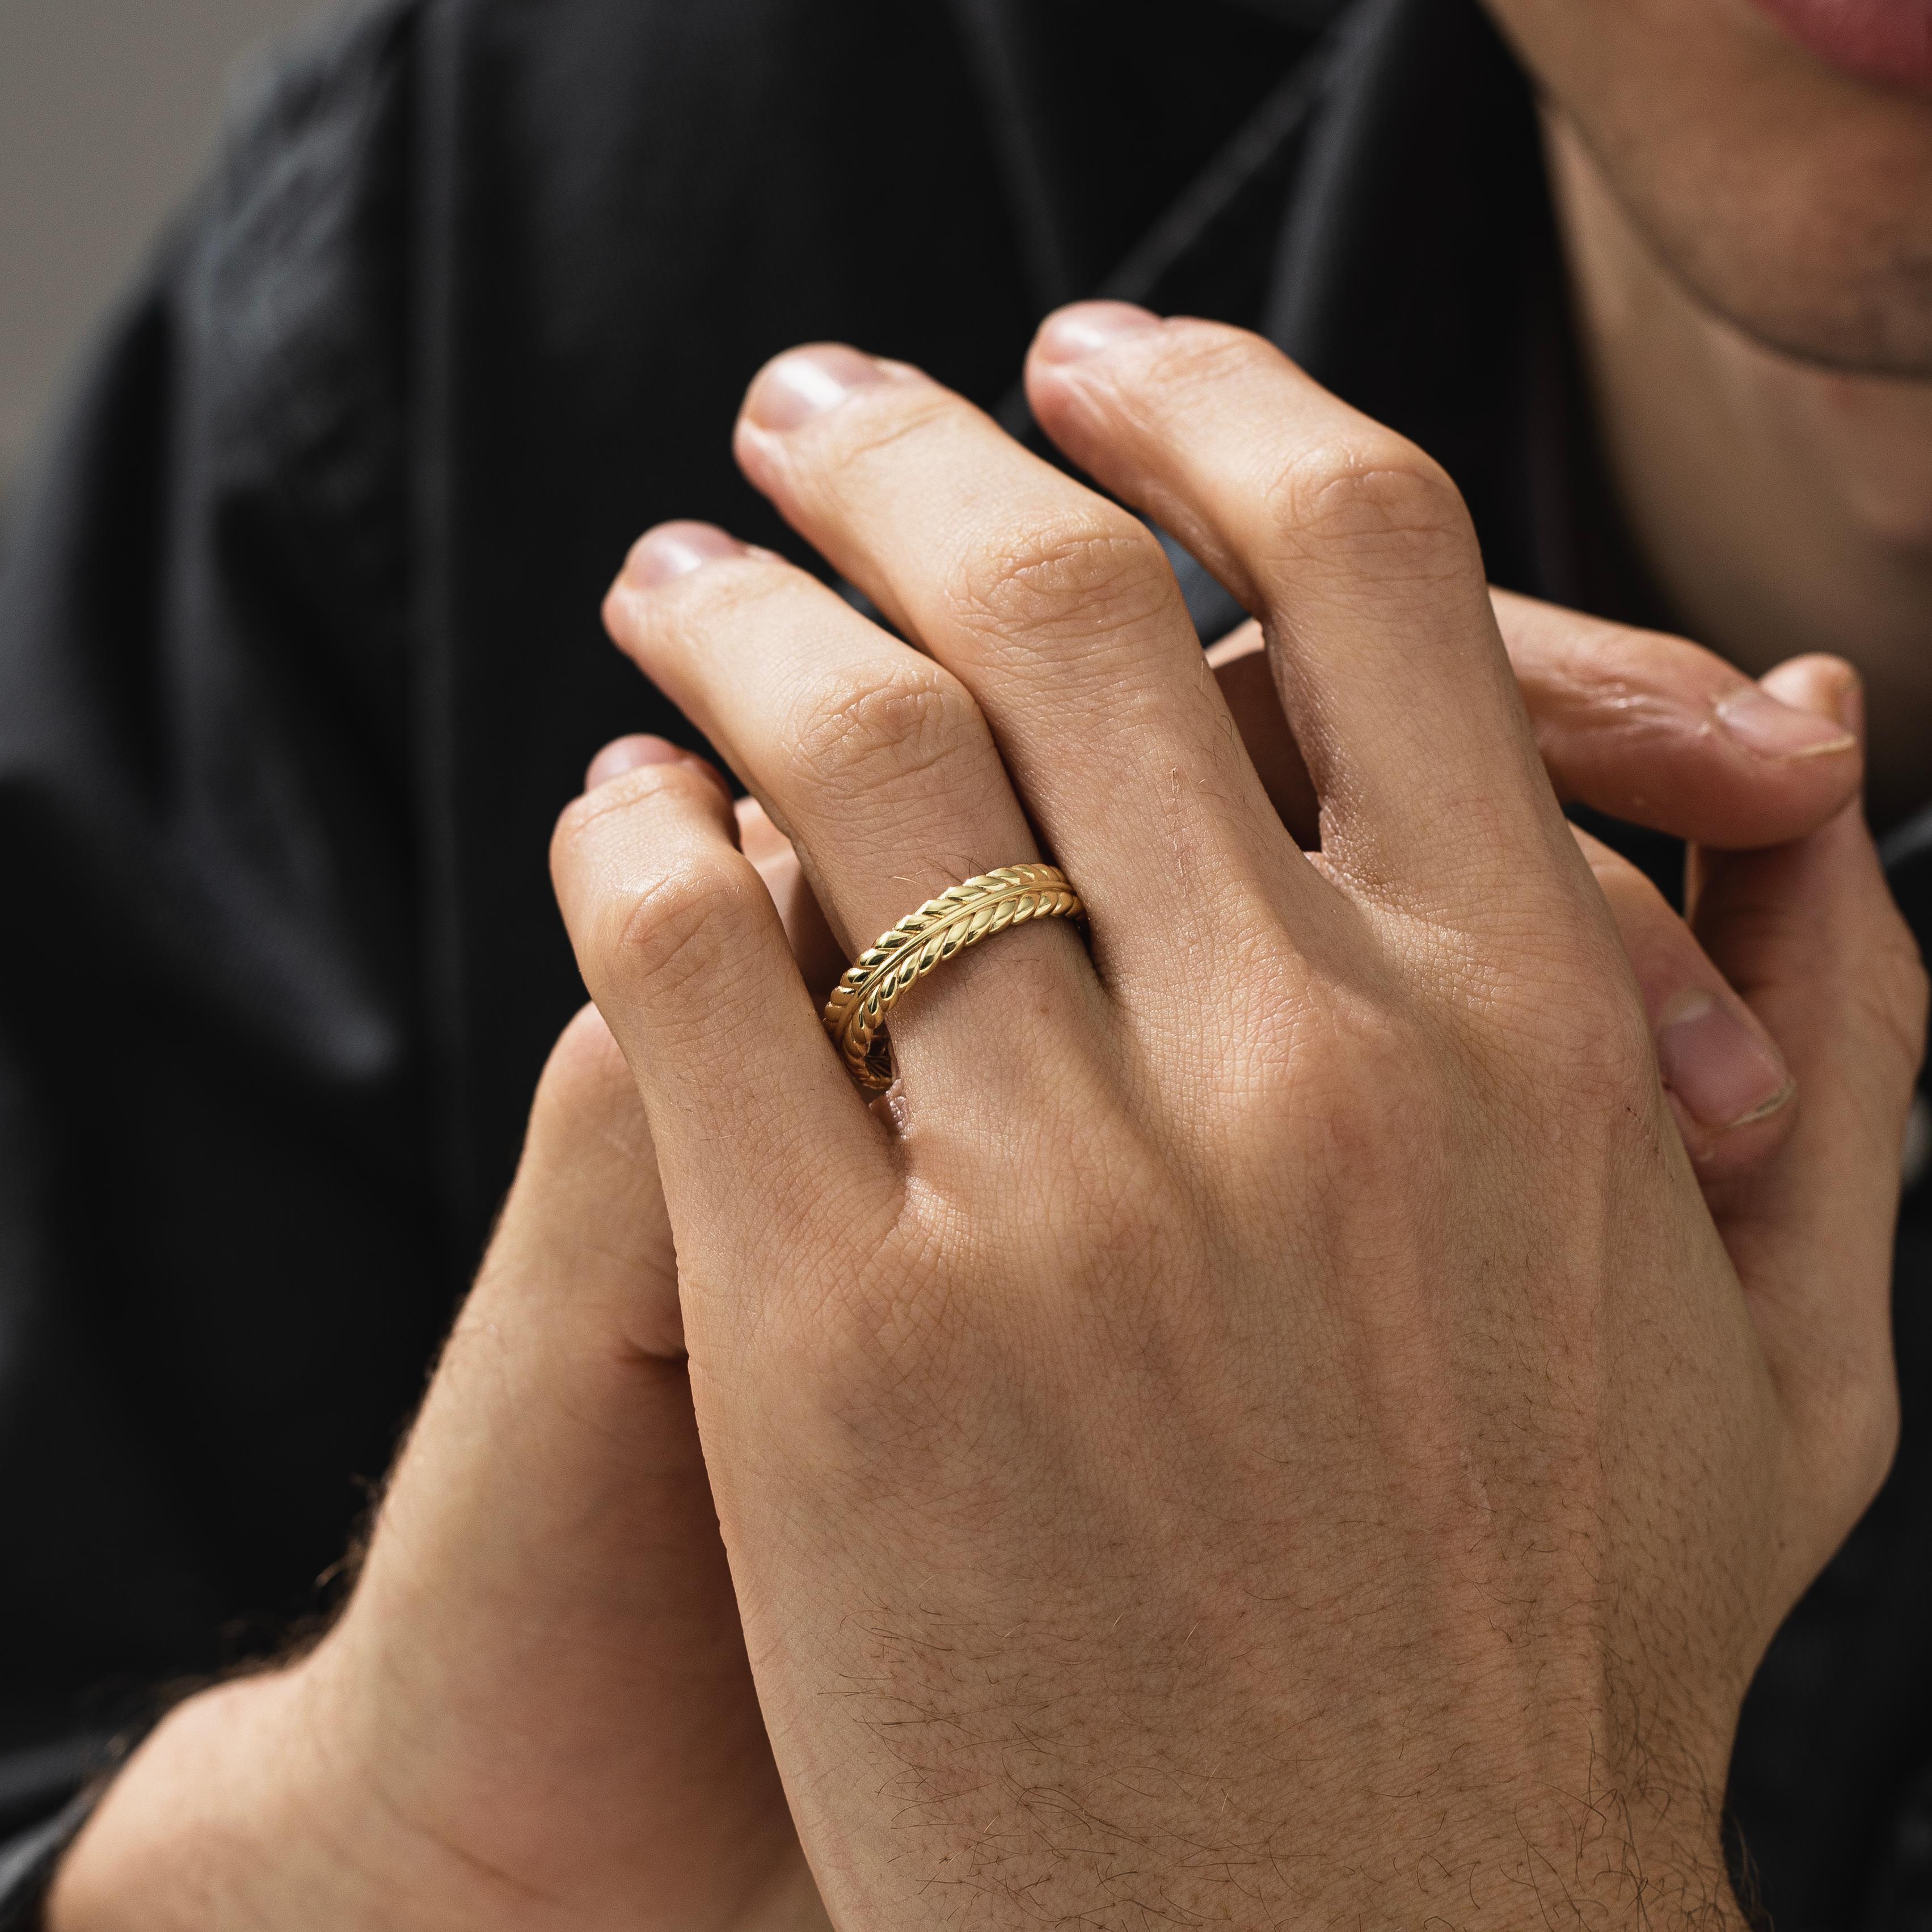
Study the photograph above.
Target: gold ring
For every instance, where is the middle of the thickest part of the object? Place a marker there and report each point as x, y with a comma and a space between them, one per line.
961, 916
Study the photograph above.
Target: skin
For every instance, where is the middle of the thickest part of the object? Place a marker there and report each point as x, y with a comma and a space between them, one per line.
547, 1570
369, 1784
1790, 200
1749, 233
958, 1427
1782, 507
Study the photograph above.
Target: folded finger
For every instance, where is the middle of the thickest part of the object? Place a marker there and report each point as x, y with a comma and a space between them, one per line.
1640, 726
1727, 1083
1659, 732
1809, 935
639, 748
586, 1215
814, 945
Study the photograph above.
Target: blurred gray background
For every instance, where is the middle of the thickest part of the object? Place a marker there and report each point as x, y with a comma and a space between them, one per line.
108, 110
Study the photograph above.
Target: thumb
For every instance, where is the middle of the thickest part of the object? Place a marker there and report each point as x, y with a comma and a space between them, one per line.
1808, 932
554, 1470
543, 1651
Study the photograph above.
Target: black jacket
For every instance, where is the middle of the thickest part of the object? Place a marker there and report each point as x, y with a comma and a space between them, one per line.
300, 656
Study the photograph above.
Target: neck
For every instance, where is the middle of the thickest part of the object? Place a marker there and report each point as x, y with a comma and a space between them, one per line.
1781, 508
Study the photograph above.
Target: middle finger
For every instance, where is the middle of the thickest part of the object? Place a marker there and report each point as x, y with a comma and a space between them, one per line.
1058, 611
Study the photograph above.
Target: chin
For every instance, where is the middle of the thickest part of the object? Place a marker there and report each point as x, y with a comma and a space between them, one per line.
1791, 197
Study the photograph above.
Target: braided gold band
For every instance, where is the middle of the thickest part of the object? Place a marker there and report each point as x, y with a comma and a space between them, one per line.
961, 916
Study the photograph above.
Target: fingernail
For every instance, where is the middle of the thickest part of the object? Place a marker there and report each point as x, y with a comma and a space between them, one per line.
1726, 1075
628, 754
1071, 333
1756, 720
807, 383
676, 550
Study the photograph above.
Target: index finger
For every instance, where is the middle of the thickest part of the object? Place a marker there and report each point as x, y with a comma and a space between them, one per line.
1645, 728
1658, 731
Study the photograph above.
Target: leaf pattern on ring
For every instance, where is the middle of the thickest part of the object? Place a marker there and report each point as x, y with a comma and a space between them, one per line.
960, 916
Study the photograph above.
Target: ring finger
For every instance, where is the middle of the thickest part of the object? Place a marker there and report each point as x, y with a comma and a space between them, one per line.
873, 760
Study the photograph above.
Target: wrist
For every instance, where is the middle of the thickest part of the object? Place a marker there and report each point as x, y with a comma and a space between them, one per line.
246, 1807
277, 1801
201, 1824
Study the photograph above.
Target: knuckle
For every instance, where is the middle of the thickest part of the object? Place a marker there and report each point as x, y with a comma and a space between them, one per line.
1386, 1127
874, 1346
1092, 572
1898, 1034
1375, 490
1571, 1020
1593, 1071
1896, 991
1886, 987
1362, 1081
574, 825
583, 827
1876, 1441
681, 922
1617, 1069
1597, 1029
1858, 1420
864, 731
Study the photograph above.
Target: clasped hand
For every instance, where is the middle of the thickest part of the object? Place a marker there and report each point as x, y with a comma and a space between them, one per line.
1312, 1397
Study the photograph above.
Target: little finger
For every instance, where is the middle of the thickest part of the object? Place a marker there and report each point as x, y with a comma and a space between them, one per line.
1810, 935
682, 949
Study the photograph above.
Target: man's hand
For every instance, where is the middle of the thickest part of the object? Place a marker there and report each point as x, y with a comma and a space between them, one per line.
538, 1706
1270, 1427
1647, 728
535, 1711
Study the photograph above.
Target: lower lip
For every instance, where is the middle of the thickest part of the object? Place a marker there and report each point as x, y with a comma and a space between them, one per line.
1888, 40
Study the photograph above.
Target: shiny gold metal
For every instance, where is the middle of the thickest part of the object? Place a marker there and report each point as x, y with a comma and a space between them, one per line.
961, 916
